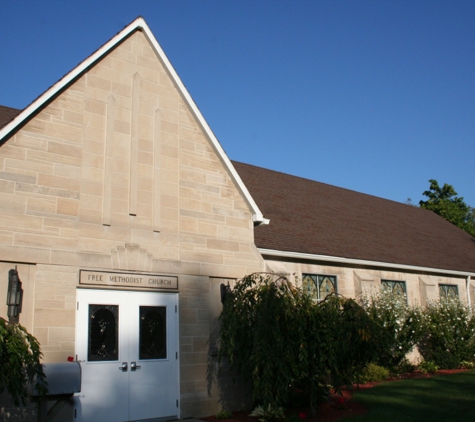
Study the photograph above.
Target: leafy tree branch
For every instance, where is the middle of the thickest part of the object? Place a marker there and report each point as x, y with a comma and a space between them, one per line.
20, 356
445, 202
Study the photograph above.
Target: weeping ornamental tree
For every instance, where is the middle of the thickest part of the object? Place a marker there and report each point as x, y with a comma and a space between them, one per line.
278, 338
19, 362
260, 335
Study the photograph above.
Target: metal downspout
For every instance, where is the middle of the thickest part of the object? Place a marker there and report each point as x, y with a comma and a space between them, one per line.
469, 302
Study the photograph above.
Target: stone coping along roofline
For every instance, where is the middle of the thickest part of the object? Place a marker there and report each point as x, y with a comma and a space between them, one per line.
141, 25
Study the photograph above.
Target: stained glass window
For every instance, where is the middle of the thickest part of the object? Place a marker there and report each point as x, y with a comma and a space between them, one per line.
103, 338
448, 293
319, 286
153, 332
397, 288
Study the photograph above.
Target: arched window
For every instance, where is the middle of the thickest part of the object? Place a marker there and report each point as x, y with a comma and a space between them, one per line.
319, 286
397, 288
448, 293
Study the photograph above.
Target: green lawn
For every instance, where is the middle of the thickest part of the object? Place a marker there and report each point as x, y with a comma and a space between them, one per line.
440, 398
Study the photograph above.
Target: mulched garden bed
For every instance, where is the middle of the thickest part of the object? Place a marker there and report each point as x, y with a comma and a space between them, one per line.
338, 407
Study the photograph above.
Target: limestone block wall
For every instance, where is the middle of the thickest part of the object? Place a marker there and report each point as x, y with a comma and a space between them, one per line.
207, 386
117, 158
55, 311
194, 345
355, 281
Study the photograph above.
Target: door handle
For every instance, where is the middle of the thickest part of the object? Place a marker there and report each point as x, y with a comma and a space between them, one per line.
123, 368
134, 366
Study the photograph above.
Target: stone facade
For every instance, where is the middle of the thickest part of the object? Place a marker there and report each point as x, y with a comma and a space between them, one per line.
116, 174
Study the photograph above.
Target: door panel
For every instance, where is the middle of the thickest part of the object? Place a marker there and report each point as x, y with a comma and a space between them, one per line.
127, 343
151, 341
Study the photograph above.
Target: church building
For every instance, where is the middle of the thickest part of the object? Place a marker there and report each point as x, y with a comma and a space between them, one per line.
123, 216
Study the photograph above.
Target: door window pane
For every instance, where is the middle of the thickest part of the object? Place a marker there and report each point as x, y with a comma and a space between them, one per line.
103, 338
153, 332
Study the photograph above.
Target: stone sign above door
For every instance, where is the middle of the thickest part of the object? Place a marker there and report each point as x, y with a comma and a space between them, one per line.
149, 281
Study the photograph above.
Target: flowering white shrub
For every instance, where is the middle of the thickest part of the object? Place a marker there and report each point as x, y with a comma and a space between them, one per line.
450, 328
402, 326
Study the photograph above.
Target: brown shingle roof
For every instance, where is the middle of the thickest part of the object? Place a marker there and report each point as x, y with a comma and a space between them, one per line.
7, 114
316, 218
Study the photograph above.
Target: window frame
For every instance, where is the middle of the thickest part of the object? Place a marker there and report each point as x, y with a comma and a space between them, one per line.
391, 291
446, 299
317, 279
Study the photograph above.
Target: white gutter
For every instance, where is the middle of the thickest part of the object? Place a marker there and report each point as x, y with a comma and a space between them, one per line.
469, 302
140, 23
351, 261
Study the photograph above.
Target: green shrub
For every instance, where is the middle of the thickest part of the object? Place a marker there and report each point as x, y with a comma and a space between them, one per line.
224, 414
428, 367
373, 373
300, 394
404, 367
444, 359
293, 418
467, 364
269, 413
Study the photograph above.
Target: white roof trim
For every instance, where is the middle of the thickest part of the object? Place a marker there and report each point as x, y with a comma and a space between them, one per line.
138, 24
350, 261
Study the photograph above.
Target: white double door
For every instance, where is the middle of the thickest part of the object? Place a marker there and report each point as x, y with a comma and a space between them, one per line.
127, 344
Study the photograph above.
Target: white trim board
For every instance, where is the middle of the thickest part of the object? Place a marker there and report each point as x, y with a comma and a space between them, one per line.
351, 261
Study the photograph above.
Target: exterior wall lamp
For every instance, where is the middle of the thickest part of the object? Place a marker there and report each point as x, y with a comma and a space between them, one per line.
14, 296
225, 290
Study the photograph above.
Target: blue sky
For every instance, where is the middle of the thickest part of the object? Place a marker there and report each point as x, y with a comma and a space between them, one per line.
373, 96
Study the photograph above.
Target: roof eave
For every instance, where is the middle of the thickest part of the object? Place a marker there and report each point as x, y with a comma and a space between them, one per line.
351, 261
